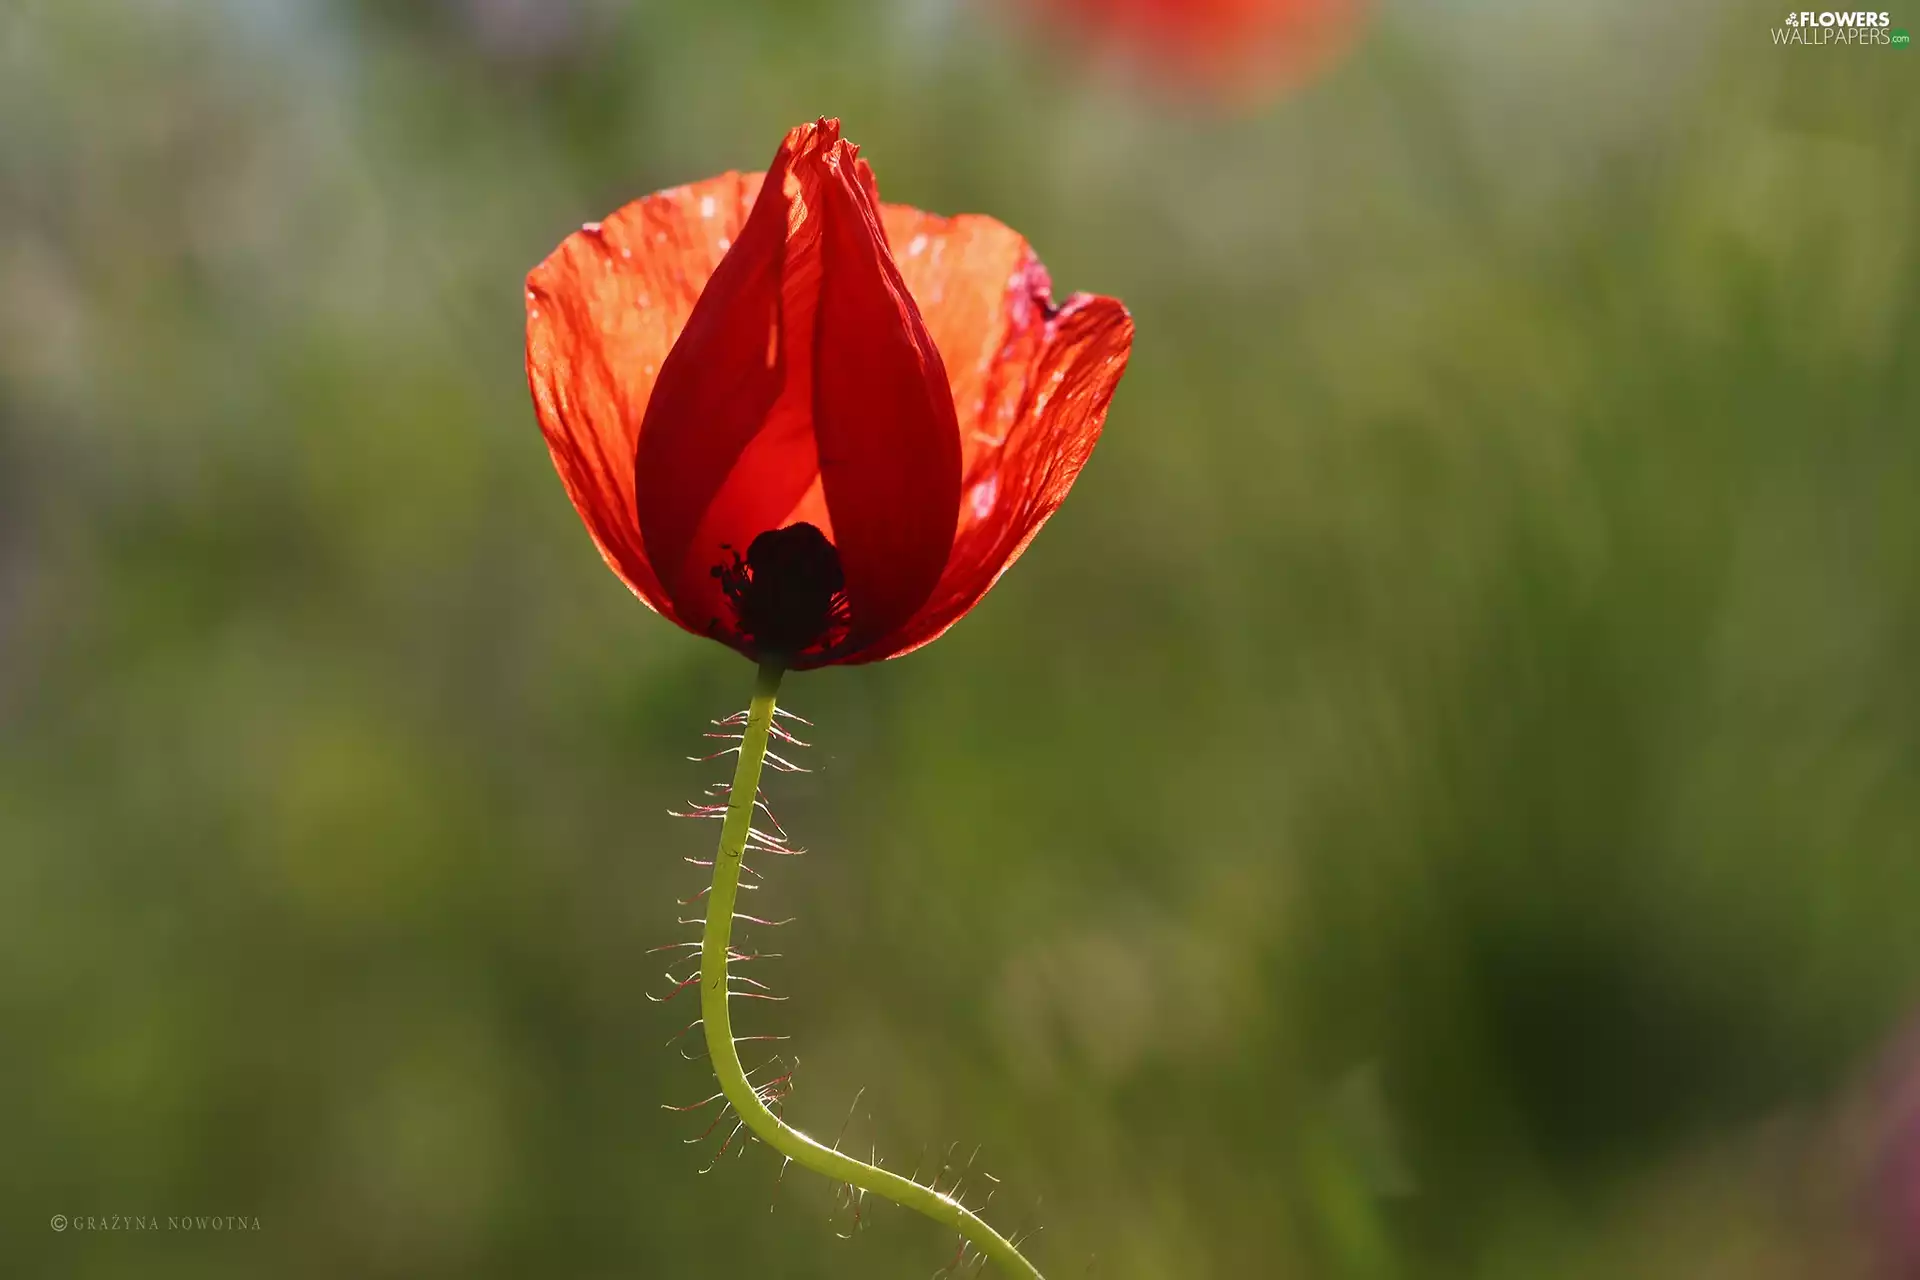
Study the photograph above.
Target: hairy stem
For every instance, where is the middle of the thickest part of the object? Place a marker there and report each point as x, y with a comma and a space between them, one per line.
766, 1126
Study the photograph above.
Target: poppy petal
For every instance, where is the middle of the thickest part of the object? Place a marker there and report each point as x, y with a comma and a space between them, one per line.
603, 311
1038, 410
883, 416
724, 455
968, 274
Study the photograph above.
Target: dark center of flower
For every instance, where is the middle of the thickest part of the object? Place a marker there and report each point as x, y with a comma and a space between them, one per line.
788, 592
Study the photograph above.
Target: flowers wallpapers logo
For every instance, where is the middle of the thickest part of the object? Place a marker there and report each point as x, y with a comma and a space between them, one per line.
1829, 28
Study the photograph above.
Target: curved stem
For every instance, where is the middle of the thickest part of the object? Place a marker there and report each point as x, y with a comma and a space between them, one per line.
766, 1126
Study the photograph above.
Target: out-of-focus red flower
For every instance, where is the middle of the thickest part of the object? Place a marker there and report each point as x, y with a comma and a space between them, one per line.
1897, 1181
1232, 48
807, 424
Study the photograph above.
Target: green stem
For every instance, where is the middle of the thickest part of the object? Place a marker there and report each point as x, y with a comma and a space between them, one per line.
714, 949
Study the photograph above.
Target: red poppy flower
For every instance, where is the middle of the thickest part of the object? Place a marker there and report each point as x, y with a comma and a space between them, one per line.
1896, 1184
809, 425
1237, 47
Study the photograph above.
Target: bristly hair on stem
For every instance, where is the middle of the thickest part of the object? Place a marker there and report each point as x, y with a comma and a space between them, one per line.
756, 1107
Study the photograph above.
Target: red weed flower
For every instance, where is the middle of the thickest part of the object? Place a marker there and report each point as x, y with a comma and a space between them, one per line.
809, 425
1897, 1177
1233, 47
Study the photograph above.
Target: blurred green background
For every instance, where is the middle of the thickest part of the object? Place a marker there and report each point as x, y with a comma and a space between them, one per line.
1439, 801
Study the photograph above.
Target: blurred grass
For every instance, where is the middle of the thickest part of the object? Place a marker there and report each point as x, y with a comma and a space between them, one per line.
1439, 801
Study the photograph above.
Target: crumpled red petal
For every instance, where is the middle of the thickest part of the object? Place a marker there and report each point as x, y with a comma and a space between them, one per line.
1031, 381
